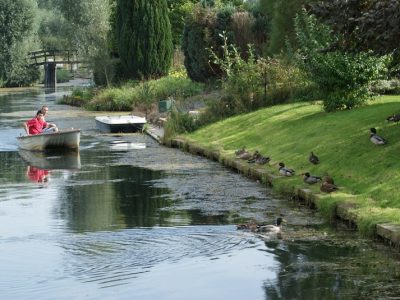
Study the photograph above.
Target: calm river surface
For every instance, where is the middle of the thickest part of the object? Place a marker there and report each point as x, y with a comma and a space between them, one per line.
126, 218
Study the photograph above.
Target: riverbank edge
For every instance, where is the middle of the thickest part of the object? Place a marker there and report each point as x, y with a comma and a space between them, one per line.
387, 233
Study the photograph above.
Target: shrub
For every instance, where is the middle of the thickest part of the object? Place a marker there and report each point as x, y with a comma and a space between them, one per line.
283, 81
177, 87
113, 99
179, 122
343, 78
386, 87
145, 93
79, 97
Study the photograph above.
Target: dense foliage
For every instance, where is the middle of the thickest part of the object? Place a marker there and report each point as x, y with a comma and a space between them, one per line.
281, 14
17, 38
178, 10
143, 36
203, 30
343, 77
364, 25
196, 37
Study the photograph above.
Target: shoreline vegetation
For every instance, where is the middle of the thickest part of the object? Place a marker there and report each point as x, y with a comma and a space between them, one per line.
367, 174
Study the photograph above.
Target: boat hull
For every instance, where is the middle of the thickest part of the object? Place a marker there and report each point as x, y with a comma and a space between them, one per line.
67, 139
119, 124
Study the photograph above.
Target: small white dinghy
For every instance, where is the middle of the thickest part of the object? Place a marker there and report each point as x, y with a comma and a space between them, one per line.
115, 124
65, 139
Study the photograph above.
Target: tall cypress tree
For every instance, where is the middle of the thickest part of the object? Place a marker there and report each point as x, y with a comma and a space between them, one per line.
143, 37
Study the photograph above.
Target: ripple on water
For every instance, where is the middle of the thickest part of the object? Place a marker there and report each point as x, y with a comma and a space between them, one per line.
117, 257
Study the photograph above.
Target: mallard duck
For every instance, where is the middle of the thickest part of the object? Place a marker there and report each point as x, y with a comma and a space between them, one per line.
313, 159
328, 179
277, 228
328, 187
253, 158
311, 179
285, 171
262, 160
244, 155
376, 139
240, 151
394, 118
252, 226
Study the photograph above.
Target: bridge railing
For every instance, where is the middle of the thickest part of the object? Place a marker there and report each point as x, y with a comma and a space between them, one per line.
56, 56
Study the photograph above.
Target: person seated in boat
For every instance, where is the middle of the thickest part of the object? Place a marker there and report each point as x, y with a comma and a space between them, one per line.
45, 110
38, 125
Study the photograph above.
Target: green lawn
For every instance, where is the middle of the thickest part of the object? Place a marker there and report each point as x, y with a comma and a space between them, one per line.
367, 175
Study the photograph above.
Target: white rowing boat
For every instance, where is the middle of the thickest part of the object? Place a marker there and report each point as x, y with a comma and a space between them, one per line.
65, 139
115, 124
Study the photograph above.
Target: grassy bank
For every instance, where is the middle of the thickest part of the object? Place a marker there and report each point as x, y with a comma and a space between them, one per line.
368, 175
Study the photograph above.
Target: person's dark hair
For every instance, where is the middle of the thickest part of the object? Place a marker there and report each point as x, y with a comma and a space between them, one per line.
39, 112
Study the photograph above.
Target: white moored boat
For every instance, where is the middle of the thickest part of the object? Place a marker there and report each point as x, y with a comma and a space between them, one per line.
66, 139
115, 124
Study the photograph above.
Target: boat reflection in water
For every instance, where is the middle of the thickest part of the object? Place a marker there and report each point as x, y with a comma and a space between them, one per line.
40, 164
66, 160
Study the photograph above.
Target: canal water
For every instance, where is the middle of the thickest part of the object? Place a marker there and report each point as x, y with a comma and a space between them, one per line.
125, 218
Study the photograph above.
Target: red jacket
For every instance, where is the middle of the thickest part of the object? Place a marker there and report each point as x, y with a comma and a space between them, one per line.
35, 126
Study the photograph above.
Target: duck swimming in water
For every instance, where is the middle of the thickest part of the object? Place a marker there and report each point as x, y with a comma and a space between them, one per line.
277, 228
313, 159
285, 171
376, 139
311, 179
252, 226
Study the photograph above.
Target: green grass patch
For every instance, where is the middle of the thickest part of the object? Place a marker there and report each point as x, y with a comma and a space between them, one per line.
367, 175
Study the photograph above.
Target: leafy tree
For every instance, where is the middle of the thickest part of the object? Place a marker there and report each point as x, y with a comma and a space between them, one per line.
52, 33
143, 37
203, 30
178, 10
343, 77
281, 14
197, 37
17, 37
363, 25
86, 25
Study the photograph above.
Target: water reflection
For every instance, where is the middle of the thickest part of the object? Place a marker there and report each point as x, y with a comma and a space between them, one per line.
64, 160
36, 174
116, 197
125, 146
323, 269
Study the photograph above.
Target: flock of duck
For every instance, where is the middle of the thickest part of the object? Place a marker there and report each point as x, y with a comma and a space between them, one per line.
327, 182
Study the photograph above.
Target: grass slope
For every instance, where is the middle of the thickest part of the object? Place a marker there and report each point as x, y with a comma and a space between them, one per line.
368, 175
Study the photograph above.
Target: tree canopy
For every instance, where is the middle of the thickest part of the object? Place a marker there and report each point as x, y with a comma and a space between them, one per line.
143, 37
17, 37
